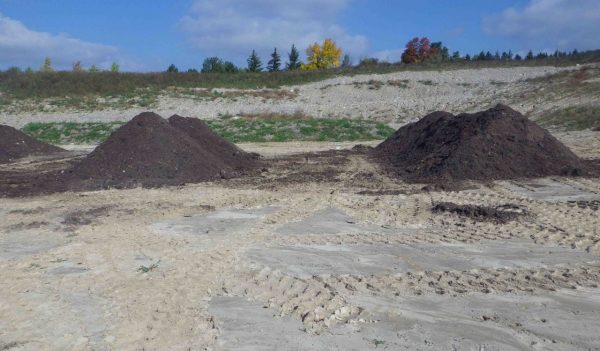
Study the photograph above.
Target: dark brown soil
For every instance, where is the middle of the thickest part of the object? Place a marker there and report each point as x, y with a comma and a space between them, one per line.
15, 144
147, 151
499, 214
151, 151
597, 128
498, 143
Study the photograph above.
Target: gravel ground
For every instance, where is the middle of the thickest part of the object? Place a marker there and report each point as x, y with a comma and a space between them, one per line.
395, 98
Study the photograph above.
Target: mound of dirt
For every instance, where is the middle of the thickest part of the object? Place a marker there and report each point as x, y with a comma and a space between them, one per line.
597, 129
199, 131
498, 143
15, 144
499, 214
152, 151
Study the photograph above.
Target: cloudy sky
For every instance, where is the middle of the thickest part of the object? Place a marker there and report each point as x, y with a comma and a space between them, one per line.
143, 35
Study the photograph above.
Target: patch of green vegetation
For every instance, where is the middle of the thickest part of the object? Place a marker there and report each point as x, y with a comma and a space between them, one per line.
249, 128
240, 130
572, 118
71, 132
146, 269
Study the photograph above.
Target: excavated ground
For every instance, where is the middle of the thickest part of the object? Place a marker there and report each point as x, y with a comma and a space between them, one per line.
319, 251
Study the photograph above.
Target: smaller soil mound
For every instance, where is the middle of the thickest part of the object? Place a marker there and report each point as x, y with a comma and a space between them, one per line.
498, 143
15, 144
597, 129
499, 214
152, 151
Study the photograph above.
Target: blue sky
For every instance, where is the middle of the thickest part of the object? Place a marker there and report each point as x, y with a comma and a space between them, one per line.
150, 35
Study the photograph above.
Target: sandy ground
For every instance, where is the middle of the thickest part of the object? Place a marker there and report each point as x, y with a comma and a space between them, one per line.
395, 98
350, 260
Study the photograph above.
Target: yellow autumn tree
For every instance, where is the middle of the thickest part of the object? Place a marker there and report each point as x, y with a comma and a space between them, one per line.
323, 56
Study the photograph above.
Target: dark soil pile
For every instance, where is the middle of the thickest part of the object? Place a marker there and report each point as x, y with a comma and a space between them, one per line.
15, 144
498, 143
499, 214
199, 131
597, 129
152, 151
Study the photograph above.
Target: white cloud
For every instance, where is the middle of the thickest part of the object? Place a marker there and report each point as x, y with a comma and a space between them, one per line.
563, 24
23, 47
232, 28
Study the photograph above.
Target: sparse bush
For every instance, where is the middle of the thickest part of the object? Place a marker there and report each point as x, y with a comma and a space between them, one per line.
77, 67
114, 67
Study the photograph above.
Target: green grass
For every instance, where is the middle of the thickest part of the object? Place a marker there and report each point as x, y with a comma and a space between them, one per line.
572, 118
71, 132
266, 128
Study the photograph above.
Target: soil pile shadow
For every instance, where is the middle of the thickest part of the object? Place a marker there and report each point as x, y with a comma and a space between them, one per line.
15, 144
152, 151
498, 143
499, 214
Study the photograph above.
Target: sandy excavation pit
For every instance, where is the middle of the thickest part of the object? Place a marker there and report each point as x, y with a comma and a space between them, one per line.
325, 250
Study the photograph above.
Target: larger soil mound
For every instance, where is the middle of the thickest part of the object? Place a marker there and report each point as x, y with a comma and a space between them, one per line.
15, 144
152, 151
498, 143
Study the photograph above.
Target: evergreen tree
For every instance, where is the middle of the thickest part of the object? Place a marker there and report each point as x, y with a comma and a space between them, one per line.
518, 57
293, 59
510, 54
497, 56
456, 55
172, 69
346, 62
275, 62
468, 57
488, 56
47, 66
529, 55
254, 62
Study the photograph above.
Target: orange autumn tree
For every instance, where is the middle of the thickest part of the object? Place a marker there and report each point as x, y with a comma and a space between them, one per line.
418, 50
323, 56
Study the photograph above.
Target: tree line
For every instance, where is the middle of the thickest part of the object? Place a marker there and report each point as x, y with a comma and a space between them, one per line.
329, 55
